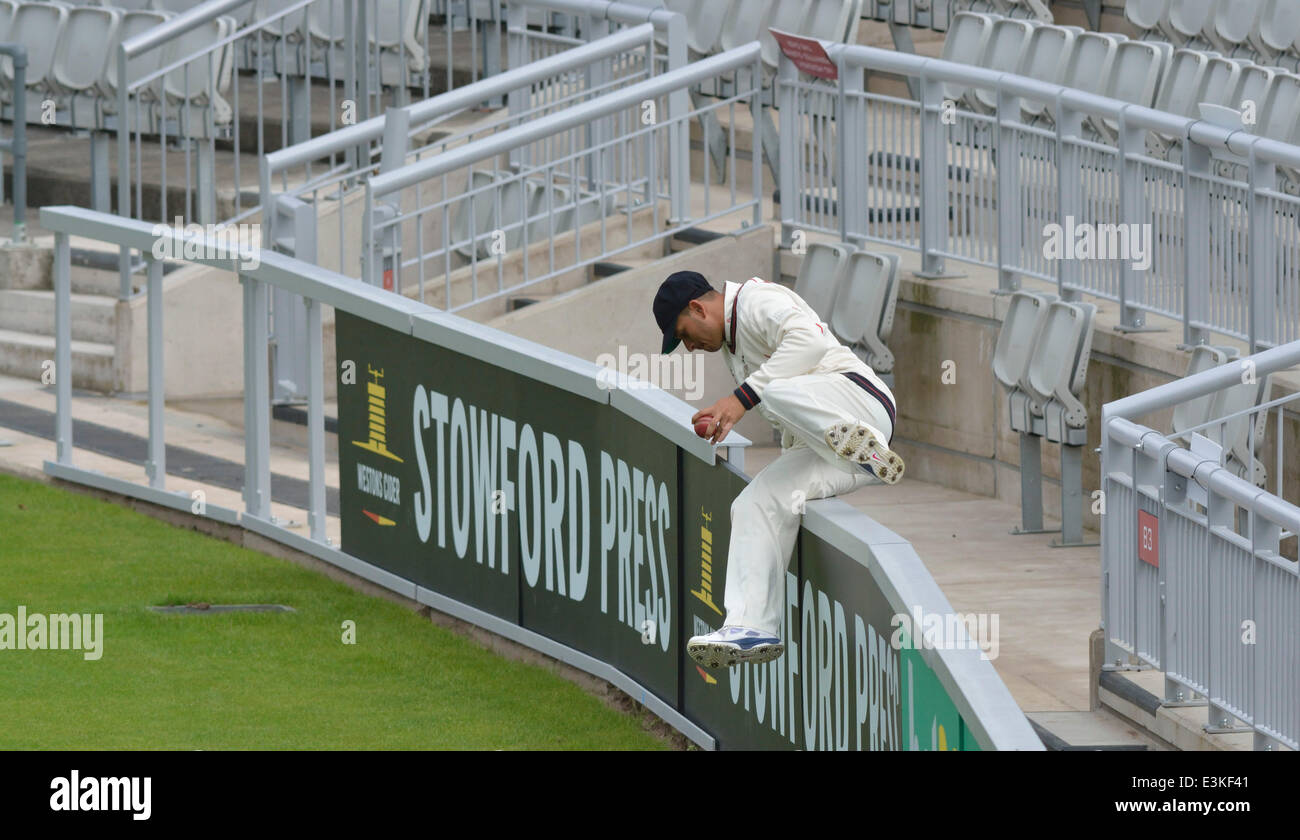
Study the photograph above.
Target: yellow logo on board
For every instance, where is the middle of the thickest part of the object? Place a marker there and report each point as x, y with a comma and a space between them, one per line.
376, 395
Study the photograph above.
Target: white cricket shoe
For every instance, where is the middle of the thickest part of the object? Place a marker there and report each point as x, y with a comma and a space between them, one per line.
863, 445
732, 645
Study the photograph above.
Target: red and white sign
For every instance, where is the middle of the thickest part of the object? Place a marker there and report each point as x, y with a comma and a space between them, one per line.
808, 54
1148, 538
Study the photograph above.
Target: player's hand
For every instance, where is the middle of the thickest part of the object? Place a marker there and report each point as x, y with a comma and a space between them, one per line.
726, 412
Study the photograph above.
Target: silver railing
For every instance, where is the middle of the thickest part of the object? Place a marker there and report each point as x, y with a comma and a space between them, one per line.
183, 88
533, 90
970, 681
1222, 240
1195, 580
16, 143
565, 174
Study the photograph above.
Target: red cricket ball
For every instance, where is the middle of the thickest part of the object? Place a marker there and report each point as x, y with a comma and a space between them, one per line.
702, 425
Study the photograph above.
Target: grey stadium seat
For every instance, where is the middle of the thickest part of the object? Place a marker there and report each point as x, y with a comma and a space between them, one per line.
191, 82
1219, 81
862, 315
1089, 65
820, 274
1178, 94
744, 22
1059, 365
1235, 22
87, 46
133, 23
1278, 28
1134, 77
1191, 21
968, 35
1006, 48
1149, 16
1045, 59
38, 26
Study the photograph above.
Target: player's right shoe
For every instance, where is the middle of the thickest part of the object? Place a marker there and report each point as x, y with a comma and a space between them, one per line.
863, 445
732, 645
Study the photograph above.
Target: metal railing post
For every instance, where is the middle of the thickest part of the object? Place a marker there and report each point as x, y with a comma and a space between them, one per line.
17, 143
63, 346
934, 178
849, 163
1196, 241
123, 171
156, 463
1069, 192
1132, 208
786, 76
1263, 277
679, 128
1009, 217
257, 397
315, 423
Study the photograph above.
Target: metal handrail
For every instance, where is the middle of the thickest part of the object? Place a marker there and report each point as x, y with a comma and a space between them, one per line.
16, 145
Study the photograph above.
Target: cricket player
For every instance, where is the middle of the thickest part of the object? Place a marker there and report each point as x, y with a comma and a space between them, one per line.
836, 420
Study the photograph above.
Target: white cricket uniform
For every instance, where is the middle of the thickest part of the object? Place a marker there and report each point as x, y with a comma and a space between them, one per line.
789, 365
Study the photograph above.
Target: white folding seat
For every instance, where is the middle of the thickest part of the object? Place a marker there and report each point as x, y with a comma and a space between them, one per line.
1149, 16
1016, 344
1219, 81
1191, 20
968, 34
1235, 22
133, 23
862, 314
1277, 29
820, 275
1253, 86
744, 22
1179, 87
1046, 56
1134, 77
1090, 64
87, 47
7, 8
39, 26
1195, 412
288, 26
1005, 49
327, 21
397, 32
704, 22
1058, 367
190, 82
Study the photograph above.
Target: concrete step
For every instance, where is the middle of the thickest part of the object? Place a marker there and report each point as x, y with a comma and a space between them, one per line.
1089, 731
93, 317
25, 355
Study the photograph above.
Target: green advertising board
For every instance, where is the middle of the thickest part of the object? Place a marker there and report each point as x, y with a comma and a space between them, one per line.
565, 516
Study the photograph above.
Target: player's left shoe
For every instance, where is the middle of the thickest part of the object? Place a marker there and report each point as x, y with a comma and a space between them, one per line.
864, 445
732, 645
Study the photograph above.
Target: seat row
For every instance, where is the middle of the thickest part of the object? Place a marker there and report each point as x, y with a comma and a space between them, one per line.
72, 51
937, 14
855, 292
1148, 73
1266, 31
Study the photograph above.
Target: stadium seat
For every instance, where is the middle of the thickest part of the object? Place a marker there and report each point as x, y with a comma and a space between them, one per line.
1178, 94
820, 274
1034, 9
86, 48
1190, 21
38, 26
1219, 80
1005, 49
1045, 58
704, 22
1234, 23
289, 26
133, 23
1253, 85
862, 315
1193, 413
7, 8
1134, 77
1058, 368
1017, 339
743, 22
1149, 16
190, 83
1089, 65
967, 37
1278, 28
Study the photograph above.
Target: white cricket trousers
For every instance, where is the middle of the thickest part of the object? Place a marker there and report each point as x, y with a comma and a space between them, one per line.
765, 516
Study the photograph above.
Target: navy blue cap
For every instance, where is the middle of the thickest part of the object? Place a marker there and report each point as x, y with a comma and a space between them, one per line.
679, 289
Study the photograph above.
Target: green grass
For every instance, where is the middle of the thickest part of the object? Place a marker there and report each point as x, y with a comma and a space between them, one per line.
251, 680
